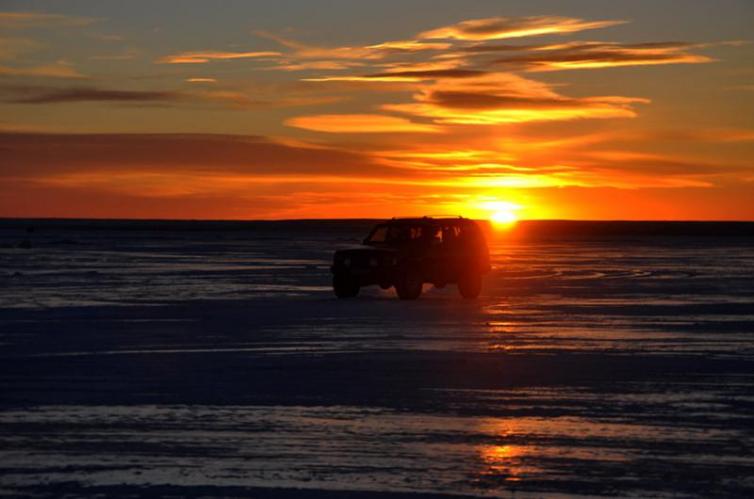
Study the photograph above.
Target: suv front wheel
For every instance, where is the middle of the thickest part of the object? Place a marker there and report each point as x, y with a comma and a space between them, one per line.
409, 285
345, 286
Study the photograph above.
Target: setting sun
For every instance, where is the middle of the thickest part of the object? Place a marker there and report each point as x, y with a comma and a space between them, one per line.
504, 217
502, 214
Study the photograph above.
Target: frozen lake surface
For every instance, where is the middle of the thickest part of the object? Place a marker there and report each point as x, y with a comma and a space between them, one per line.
211, 359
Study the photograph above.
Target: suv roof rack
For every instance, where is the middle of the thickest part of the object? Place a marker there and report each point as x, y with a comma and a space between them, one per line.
428, 217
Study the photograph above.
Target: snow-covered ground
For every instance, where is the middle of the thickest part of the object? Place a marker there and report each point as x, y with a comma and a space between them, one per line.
212, 359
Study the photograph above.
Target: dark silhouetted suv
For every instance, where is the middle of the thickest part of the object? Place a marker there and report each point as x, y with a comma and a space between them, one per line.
408, 252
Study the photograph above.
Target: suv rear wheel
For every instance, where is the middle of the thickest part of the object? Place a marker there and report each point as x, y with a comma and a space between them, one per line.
409, 285
470, 284
345, 286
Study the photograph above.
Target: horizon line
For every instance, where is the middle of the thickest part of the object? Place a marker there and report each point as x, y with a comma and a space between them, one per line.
356, 219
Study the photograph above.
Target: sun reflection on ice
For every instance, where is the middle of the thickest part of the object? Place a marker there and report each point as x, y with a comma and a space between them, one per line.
505, 460
500, 460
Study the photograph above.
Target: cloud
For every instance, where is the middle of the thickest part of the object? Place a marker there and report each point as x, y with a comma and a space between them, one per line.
300, 50
645, 135
512, 110
11, 48
201, 80
631, 169
301, 56
202, 57
235, 99
39, 95
125, 55
495, 28
288, 65
711, 135
221, 166
430, 74
406, 76
488, 169
358, 123
58, 69
590, 55
482, 101
28, 155
507, 98
475, 97
408, 46
43, 95
482, 48
174, 175
471, 84
24, 20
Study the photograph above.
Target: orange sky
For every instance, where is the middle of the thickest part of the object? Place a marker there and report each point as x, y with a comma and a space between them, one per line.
252, 112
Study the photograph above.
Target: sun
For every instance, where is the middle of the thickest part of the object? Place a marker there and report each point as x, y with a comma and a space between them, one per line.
501, 213
503, 217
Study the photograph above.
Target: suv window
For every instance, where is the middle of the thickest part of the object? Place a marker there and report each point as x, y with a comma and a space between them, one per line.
400, 233
379, 235
414, 233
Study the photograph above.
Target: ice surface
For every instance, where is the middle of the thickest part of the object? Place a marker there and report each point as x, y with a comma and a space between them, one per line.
213, 359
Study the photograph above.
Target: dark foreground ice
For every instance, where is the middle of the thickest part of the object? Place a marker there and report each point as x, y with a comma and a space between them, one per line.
213, 360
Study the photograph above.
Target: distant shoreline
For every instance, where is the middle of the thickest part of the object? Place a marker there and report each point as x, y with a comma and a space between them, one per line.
359, 227
264, 220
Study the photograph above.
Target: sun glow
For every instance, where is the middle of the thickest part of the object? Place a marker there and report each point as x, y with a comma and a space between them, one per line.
502, 214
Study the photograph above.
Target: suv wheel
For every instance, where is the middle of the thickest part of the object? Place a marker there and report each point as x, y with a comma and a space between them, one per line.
409, 285
344, 286
470, 285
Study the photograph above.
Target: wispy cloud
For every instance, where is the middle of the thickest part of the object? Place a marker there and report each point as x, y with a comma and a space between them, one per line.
14, 51
465, 98
229, 98
124, 55
359, 123
408, 46
24, 20
201, 80
496, 28
406, 76
469, 83
299, 50
591, 55
26, 154
300, 56
290, 65
507, 98
696, 134
11, 48
205, 56
60, 69
41, 95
